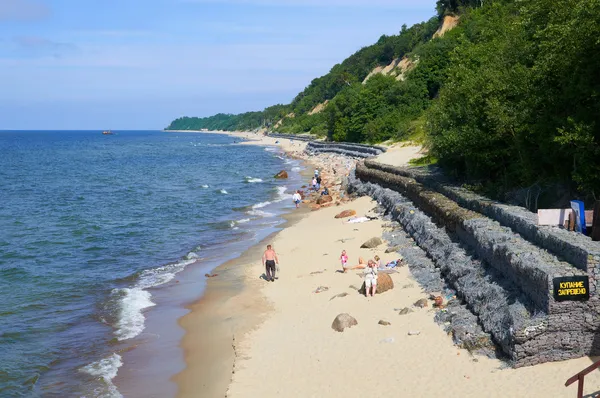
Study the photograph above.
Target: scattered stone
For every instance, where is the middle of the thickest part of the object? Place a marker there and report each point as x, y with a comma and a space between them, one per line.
211, 275
392, 249
384, 323
346, 213
324, 199
339, 295
405, 311
343, 321
414, 333
321, 289
371, 243
281, 174
410, 285
438, 302
384, 283
316, 272
422, 303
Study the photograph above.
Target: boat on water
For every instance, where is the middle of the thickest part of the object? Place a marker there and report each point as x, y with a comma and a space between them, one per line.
107, 132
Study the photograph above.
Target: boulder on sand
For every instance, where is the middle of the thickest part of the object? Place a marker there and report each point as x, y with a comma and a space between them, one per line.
324, 199
343, 321
384, 283
371, 243
282, 174
346, 213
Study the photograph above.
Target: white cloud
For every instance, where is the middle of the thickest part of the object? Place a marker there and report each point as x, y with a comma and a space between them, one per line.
22, 10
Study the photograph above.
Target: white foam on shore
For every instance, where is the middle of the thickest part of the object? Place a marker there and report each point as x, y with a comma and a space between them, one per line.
260, 213
132, 301
106, 370
296, 168
281, 195
260, 205
243, 220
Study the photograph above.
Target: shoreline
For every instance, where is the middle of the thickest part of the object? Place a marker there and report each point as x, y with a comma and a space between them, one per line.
233, 304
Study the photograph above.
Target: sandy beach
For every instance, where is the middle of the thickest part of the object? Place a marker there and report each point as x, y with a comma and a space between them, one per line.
248, 337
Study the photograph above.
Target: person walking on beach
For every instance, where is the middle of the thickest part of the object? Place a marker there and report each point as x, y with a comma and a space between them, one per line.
269, 260
297, 198
318, 182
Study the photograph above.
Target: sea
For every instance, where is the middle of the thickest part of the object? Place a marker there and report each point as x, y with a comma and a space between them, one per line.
96, 232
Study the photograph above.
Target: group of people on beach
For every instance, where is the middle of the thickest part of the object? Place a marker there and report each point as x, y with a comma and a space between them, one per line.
315, 185
371, 269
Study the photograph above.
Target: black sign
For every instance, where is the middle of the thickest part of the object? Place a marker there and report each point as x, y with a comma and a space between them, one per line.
572, 288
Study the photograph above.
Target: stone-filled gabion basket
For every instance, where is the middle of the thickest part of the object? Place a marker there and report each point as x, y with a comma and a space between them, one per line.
503, 277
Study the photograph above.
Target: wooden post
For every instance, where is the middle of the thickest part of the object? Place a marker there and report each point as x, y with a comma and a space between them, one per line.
596, 222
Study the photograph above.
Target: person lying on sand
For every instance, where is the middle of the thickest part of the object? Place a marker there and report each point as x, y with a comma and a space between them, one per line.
361, 265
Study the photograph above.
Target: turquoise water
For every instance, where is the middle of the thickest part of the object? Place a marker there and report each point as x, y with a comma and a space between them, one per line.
90, 224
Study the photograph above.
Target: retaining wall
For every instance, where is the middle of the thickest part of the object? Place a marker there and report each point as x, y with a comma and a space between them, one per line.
508, 285
359, 151
579, 250
292, 137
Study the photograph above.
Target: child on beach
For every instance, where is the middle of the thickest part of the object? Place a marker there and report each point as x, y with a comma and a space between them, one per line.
297, 198
371, 278
344, 260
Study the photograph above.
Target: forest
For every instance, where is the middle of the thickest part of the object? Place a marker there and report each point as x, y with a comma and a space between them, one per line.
507, 99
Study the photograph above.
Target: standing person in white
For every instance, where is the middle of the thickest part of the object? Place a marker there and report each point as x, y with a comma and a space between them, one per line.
297, 198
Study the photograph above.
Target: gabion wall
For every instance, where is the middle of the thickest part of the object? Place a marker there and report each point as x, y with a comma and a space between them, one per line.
508, 282
359, 151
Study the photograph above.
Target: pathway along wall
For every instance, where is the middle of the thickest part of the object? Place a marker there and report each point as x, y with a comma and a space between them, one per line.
504, 279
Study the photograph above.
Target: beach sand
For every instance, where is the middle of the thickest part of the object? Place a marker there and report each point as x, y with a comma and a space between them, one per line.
285, 347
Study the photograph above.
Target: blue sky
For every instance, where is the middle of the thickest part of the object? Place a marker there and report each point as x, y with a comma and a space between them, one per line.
133, 64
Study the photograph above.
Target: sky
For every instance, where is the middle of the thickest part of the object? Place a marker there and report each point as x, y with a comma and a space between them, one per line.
138, 64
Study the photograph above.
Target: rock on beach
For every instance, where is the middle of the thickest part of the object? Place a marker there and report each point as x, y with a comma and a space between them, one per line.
282, 174
384, 283
343, 321
372, 243
346, 213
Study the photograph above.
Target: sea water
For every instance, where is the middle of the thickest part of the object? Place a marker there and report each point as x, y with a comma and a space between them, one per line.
92, 225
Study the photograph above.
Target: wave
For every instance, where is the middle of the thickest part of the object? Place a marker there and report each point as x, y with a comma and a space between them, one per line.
260, 213
260, 205
243, 220
281, 195
224, 192
205, 186
296, 168
132, 301
106, 370
251, 179
280, 157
